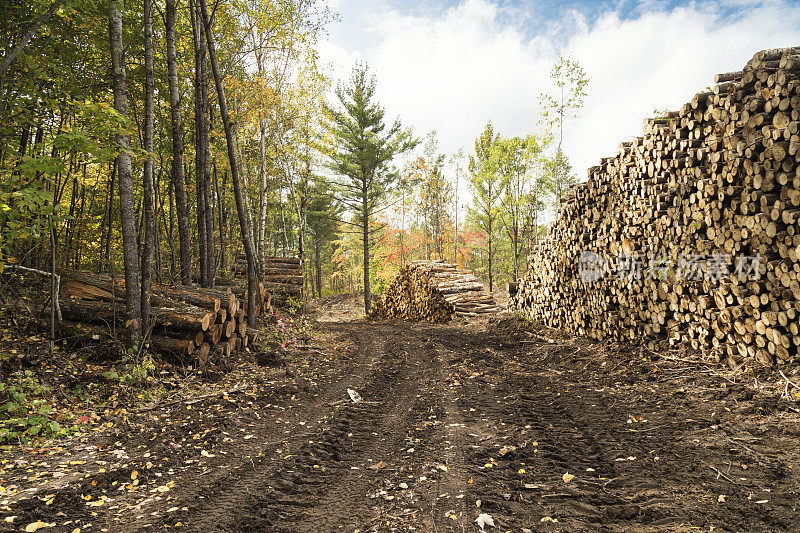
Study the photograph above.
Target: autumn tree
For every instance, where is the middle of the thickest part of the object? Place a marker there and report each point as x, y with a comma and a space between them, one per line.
361, 154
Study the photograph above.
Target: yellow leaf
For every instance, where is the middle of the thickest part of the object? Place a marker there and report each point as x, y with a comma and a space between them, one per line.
36, 526
567, 477
134, 474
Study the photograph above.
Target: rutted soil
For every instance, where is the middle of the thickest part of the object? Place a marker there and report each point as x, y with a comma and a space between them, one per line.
541, 433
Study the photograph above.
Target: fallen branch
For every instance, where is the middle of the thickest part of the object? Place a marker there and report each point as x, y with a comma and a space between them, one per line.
189, 401
724, 476
38, 272
786, 388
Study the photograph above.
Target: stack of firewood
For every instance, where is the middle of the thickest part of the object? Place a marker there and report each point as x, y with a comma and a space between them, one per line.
280, 276
188, 322
689, 235
434, 291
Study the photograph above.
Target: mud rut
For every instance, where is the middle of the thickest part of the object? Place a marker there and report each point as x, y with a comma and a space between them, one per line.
457, 420
456, 423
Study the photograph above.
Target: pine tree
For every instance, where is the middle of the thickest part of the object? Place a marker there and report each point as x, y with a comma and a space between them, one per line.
362, 152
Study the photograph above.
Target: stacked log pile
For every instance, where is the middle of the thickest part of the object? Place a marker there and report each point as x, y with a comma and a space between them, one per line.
281, 276
689, 235
188, 322
434, 291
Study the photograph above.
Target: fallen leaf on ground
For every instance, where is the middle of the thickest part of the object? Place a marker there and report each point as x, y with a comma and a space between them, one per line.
355, 396
36, 526
378, 466
484, 520
567, 477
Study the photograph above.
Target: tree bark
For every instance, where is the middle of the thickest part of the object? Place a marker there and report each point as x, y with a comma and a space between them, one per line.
201, 140
365, 227
133, 306
221, 218
252, 282
105, 255
178, 183
148, 204
318, 265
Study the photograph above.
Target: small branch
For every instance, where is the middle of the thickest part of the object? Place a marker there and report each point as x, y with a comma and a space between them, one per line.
723, 475
788, 382
47, 275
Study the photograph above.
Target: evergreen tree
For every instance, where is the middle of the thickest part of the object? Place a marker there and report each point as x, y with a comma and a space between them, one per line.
362, 153
323, 222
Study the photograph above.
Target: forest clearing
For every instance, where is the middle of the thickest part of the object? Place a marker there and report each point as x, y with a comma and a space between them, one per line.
235, 295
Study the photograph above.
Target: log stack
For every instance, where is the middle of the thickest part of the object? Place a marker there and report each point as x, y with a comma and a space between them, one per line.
434, 291
689, 235
188, 322
281, 277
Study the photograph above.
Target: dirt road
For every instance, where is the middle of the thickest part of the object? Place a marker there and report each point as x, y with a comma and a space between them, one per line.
540, 433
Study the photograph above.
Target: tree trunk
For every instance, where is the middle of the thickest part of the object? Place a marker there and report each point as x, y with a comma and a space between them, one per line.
105, 256
252, 282
221, 216
133, 306
201, 140
147, 182
178, 184
317, 246
365, 226
491, 281
262, 217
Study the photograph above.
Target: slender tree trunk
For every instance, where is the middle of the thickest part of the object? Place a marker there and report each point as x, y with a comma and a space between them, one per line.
262, 218
79, 218
171, 233
133, 305
252, 281
303, 208
318, 265
178, 183
365, 226
221, 215
491, 280
105, 256
455, 227
148, 205
159, 221
208, 191
201, 138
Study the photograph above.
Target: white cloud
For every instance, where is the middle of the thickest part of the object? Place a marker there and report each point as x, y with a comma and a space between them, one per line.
453, 69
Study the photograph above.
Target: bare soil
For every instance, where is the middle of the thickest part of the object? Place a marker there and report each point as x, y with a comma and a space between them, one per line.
542, 432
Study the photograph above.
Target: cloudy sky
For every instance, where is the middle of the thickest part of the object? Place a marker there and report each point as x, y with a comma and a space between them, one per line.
451, 66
